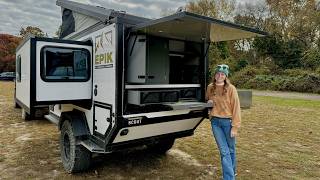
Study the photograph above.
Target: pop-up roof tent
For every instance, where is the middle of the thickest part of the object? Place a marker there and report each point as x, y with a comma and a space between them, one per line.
77, 18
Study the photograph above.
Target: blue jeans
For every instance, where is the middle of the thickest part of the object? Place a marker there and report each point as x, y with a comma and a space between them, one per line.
221, 128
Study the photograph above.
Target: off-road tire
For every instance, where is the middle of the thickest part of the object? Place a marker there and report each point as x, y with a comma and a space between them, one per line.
75, 158
161, 146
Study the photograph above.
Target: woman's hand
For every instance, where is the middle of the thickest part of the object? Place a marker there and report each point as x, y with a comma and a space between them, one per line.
234, 132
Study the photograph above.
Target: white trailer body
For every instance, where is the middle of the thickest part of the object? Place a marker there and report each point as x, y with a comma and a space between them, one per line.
122, 82
23, 84
36, 86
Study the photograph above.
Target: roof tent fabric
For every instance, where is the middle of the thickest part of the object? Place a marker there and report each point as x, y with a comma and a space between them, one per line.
193, 27
85, 16
83, 22
99, 13
68, 24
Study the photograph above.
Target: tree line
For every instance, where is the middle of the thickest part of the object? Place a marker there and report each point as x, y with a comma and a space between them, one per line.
9, 43
287, 59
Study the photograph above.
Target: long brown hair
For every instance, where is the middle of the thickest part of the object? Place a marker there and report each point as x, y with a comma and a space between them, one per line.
225, 86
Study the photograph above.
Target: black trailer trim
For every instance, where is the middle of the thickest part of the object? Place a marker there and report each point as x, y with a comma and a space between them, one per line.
147, 121
102, 103
203, 72
199, 123
33, 74
87, 43
42, 65
206, 72
85, 103
148, 140
120, 29
119, 72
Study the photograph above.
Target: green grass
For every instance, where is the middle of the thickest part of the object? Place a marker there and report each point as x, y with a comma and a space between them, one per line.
2, 158
289, 102
279, 139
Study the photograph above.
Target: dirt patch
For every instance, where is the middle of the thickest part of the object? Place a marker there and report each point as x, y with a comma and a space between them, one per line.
184, 157
25, 137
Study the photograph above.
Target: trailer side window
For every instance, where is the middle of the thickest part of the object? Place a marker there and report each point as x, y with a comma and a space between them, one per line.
18, 69
65, 64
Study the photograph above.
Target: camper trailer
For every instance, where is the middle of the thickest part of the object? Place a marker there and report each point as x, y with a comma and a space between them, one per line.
115, 80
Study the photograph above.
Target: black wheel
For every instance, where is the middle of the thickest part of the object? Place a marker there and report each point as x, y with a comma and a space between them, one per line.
161, 146
75, 158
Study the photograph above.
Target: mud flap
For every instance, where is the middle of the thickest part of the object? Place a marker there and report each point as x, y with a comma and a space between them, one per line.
78, 123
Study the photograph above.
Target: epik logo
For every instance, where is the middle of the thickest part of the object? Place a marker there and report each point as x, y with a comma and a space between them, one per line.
103, 50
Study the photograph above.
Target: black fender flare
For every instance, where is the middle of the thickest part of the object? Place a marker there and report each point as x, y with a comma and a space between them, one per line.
78, 122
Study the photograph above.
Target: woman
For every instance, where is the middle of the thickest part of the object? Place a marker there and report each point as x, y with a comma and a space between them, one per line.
225, 118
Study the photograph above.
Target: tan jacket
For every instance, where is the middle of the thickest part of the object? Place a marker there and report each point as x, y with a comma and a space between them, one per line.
225, 106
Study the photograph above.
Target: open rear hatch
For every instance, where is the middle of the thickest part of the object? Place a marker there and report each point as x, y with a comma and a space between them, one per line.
192, 27
185, 27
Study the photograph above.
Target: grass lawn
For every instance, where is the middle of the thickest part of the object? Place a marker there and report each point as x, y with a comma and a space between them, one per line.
279, 139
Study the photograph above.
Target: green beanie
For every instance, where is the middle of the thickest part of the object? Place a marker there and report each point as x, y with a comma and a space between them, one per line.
223, 68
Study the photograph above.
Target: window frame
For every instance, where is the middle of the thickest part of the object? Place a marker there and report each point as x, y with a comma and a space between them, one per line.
42, 65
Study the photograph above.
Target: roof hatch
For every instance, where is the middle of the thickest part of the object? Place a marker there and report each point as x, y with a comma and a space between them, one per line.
193, 27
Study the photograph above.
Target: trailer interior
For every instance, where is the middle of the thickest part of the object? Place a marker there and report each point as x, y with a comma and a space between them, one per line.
166, 61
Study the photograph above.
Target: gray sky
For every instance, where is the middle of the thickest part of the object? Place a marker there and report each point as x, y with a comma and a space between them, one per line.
46, 15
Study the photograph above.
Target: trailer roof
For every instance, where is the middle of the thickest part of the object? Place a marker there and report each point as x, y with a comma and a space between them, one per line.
98, 12
194, 27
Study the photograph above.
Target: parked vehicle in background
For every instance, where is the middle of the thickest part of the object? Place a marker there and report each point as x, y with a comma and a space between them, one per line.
8, 76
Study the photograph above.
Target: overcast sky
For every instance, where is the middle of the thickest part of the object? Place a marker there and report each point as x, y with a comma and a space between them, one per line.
46, 15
